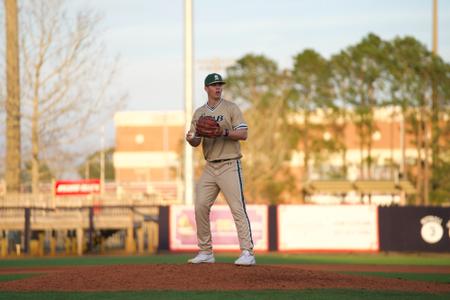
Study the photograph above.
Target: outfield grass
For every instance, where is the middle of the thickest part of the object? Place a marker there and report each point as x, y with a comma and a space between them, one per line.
10, 277
357, 258
275, 258
432, 277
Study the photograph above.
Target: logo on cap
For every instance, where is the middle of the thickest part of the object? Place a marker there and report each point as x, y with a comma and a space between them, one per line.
214, 78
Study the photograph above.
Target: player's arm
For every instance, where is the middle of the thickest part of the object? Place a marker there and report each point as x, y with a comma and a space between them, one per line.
239, 130
238, 134
191, 137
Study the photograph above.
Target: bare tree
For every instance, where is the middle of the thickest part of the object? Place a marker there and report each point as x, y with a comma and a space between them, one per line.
66, 82
13, 153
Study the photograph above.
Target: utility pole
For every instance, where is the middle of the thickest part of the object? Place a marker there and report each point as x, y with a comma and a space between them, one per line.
13, 156
402, 146
435, 131
102, 161
435, 26
188, 93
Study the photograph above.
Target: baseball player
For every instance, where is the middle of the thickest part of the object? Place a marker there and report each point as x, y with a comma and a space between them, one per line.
223, 172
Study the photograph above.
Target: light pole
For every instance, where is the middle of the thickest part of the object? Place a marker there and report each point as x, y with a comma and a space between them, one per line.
188, 70
102, 161
435, 26
434, 116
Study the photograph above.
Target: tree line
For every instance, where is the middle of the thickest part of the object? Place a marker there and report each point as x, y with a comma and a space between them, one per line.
65, 93
280, 104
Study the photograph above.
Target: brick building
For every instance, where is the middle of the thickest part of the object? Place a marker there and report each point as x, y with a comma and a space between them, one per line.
149, 149
148, 155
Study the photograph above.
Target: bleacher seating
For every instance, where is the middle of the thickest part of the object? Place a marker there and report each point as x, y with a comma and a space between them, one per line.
364, 187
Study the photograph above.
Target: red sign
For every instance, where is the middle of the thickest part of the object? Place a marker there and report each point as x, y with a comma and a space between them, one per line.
77, 187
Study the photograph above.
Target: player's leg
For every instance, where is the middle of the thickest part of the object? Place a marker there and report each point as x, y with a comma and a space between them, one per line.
206, 194
231, 184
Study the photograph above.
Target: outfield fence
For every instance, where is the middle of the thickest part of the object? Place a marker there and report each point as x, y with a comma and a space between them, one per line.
99, 225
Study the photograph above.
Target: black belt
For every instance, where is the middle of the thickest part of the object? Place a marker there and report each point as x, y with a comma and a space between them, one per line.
221, 160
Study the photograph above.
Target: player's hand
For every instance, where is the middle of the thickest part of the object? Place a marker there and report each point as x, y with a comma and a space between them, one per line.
193, 139
190, 136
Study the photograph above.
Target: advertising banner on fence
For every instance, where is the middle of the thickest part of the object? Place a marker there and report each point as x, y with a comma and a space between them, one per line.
182, 228
77, 187
327, 227
415, 228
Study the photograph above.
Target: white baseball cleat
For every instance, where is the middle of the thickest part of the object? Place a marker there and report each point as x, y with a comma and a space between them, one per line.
202, 258
246, 259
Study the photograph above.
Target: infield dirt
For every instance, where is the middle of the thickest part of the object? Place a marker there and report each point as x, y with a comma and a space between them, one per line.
219, 276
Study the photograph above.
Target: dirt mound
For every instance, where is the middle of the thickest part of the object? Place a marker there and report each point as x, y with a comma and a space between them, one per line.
202, 277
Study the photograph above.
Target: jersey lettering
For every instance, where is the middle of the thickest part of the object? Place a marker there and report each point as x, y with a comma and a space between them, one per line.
219, 118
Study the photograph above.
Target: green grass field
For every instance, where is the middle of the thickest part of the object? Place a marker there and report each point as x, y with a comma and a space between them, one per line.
350, 258
271, 258
303, 294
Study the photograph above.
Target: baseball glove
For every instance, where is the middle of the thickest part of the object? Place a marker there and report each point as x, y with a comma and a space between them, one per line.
206, 126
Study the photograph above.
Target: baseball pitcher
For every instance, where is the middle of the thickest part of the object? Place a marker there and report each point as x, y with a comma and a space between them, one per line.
219, 126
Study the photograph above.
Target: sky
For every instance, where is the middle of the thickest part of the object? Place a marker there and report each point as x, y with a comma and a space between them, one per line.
148, 36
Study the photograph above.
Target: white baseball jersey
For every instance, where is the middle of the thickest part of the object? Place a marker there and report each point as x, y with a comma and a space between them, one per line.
230, 117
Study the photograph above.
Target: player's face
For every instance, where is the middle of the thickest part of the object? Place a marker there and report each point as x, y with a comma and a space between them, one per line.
214, 90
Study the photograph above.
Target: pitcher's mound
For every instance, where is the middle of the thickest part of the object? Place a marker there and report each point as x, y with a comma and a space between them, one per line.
202, 277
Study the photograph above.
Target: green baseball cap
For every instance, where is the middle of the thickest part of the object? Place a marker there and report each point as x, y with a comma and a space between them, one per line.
213, 78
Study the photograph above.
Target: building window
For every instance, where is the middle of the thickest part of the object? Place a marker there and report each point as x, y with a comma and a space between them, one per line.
139, 139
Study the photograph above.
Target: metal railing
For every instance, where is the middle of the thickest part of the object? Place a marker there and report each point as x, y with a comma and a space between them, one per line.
28, 213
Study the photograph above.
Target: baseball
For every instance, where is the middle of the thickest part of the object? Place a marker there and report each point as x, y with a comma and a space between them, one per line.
191, 135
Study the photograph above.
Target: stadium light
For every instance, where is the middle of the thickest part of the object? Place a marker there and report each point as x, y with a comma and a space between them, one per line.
188, 70
435, 26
